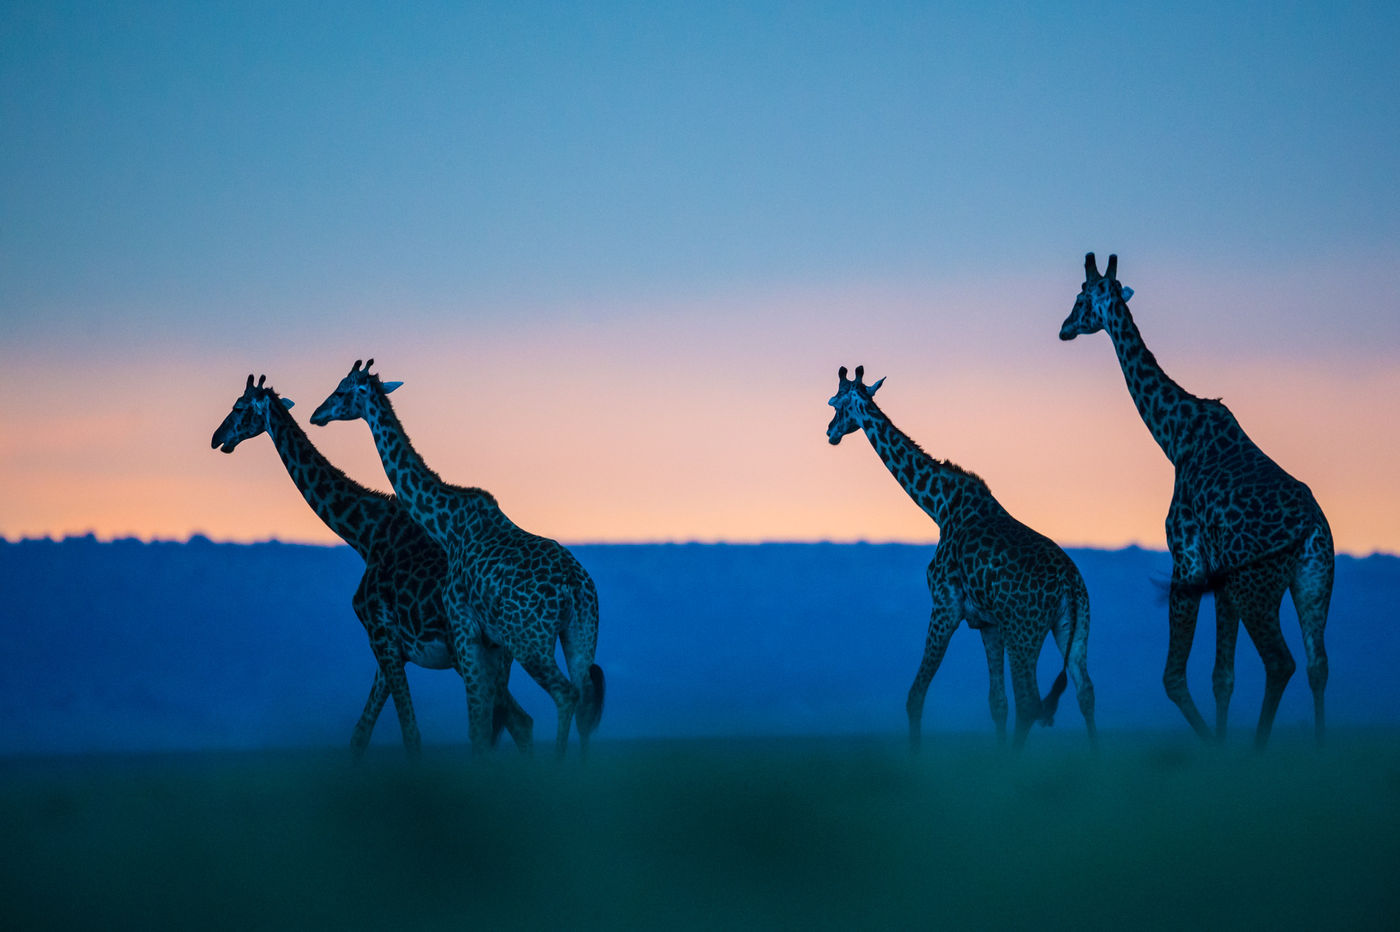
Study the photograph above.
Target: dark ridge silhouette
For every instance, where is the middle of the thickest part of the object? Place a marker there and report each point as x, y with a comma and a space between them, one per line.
160, 646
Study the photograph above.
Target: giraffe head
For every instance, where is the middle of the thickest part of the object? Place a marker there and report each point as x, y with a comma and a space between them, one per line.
1095, 298
249, 416
351, 398
850, 400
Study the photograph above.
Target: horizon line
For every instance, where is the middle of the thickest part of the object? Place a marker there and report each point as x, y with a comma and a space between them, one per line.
199, 539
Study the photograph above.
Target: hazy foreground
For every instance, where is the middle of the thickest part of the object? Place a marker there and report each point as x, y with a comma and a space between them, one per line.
833, 833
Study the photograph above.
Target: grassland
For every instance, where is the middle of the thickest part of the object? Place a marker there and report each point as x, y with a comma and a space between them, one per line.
1153, 832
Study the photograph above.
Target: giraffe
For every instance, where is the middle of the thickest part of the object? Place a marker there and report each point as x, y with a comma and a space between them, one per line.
399, 599
1238, 526
507, 588
1009, 582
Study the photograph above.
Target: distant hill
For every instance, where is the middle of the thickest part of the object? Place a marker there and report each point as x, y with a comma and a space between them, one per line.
133, 646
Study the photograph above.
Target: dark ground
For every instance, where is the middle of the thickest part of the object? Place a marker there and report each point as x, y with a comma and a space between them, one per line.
1154, 832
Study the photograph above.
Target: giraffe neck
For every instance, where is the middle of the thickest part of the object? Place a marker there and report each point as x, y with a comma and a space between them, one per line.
940, 488
419, 489
348, 508
1164, 406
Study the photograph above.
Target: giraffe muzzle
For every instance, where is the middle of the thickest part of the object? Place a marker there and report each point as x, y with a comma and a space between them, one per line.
219, 443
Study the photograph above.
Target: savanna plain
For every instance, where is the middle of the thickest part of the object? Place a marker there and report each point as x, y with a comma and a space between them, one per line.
1153, 831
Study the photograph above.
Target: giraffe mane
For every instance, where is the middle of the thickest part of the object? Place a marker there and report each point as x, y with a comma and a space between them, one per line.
476, 492
284, 412
948, 465
472, 491
951, 466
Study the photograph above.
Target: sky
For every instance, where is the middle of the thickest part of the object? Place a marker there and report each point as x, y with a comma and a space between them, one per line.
617, 252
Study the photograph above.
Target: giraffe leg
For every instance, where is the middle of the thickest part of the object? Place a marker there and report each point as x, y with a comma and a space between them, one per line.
398, 687
1261, 624
942, 622
476, 665
1027, 693
1317, 675
507, 713
1071, 635
479, 675
1184, 605
579, 641
996, 672
546, 672
1257, 591
1227, 629
586, 679
384, 646
1084, 691
1312, 593
378, 695
374, 613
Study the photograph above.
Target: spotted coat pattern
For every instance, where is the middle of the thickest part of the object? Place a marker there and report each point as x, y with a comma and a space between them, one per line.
1009, 582
1238, 526
399, 598
509, 592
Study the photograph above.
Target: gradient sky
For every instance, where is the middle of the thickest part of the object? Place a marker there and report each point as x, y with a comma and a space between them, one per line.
617, 252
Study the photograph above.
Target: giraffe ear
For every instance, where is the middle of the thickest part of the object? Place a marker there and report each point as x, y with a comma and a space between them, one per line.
390, 386
1127, 293
876, 387
287, 402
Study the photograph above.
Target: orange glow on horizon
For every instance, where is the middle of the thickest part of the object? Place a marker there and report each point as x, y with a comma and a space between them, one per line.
721, 438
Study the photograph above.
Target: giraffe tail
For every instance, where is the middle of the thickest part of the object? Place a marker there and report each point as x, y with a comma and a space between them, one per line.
1051, 702
1215, 577
498, 723
590, 707
1209, 584
1075, 646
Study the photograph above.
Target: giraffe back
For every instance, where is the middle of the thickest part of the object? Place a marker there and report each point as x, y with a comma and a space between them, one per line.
510, 580
1006, 572
1230, 501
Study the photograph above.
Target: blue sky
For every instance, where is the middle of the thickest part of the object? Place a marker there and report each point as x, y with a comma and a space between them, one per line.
197, 190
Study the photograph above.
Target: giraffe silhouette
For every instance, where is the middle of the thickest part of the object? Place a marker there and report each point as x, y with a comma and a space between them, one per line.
1238, 525
1012, 584
510, 592
399, 598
